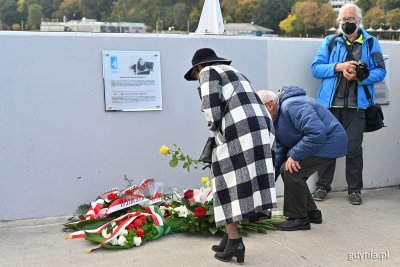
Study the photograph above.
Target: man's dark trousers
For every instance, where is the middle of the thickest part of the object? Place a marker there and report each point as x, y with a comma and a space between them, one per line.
297, 200
353, 121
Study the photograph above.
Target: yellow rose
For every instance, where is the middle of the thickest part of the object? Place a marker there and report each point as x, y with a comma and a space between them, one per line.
164, 150
205, 180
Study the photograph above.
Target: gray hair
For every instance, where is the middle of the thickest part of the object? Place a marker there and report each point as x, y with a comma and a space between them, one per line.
266, 96
347, 6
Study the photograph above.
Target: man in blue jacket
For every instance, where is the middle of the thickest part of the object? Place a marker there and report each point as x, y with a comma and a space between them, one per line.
348, 64
308, 137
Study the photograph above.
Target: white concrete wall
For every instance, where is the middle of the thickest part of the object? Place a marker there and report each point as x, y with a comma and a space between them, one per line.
54, 128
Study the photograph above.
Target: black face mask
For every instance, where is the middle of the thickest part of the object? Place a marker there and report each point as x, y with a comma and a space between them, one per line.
349, 28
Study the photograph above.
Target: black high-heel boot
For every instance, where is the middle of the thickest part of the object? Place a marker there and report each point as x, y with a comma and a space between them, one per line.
234, 248
222, 244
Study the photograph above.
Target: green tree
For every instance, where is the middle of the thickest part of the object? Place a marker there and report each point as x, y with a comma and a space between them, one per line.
392, 4
244, 11
326, 15
228, 9
180, 16
194, 17
121, 10
365, 5
270, 12
70, 9
287, 25
8, 12
308, 12
309, 17
35, 15
375, 17
50, 7
22, 9
393, 18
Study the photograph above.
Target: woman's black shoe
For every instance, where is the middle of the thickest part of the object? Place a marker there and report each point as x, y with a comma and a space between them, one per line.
222, 244
234, 248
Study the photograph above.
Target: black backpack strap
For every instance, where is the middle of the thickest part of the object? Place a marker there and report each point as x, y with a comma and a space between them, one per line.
332, 43
370, 43
367, 94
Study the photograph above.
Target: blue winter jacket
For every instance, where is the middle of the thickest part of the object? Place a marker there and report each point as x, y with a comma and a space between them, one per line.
323, 67
304, 128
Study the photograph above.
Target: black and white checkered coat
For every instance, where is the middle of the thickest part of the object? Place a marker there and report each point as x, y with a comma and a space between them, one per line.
243, 168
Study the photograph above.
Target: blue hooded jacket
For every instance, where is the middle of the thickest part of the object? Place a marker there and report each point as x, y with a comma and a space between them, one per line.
323, 67
304, 128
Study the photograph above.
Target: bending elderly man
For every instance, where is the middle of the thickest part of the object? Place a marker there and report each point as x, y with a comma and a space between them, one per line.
308, 137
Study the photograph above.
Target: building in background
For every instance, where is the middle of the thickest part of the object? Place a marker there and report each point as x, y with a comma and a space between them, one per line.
337, 4
247, 29
91, 25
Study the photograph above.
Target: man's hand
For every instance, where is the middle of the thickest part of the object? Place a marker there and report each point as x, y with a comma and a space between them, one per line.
348, 69
292, 165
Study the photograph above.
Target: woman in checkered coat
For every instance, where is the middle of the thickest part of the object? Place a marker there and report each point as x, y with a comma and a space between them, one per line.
242, 162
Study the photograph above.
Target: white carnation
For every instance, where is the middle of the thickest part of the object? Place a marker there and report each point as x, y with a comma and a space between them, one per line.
121, 240
114, 241
137, 240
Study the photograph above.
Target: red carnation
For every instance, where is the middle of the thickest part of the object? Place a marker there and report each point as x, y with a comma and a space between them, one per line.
111, 196
140, 232
188, 194
130, 227
137, 222
143, 218
200, 212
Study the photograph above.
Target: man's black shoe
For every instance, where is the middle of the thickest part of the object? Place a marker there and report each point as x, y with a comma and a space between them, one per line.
293, 224
315, 216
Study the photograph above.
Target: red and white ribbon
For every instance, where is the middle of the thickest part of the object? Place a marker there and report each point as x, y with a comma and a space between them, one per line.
132, 216
154, 215
94, 210
126, 202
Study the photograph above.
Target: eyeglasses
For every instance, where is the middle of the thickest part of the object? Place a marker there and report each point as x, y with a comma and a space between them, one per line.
349, 19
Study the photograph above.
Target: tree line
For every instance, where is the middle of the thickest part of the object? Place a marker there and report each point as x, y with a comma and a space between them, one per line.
290, 17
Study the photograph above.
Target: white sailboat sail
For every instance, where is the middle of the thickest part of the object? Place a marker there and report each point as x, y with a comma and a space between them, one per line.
211, 18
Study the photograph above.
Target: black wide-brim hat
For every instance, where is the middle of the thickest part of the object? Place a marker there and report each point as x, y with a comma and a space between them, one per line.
203, 56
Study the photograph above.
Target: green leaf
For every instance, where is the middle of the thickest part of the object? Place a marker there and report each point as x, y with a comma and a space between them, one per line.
213, 230
99, 238
173, 162
82, 210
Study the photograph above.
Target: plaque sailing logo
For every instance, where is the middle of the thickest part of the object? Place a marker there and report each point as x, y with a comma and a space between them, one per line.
114, 64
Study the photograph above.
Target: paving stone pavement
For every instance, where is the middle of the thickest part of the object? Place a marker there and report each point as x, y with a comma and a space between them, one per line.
365, 235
